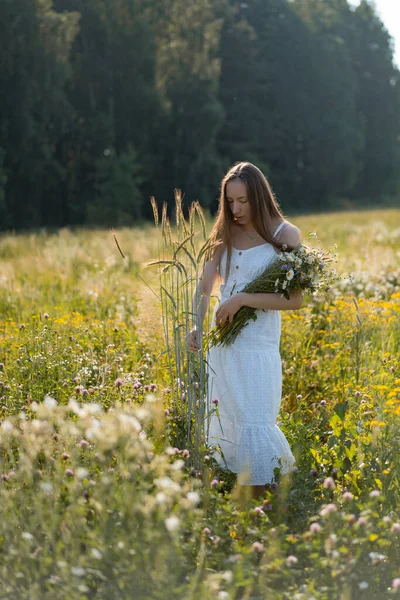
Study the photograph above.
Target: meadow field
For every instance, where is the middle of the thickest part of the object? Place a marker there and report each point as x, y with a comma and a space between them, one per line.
100, 495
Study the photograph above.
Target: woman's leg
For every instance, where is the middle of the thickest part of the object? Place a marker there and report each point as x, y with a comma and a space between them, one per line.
242, 494
258, 491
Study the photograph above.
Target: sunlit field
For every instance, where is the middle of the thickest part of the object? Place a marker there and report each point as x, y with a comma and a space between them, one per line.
99, 496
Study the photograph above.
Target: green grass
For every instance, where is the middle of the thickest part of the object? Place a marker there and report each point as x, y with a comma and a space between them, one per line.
96, 502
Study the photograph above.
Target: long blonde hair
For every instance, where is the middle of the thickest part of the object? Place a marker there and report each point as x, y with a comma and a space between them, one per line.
264, 208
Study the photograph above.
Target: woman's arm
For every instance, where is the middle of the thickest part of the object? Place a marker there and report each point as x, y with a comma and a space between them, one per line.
202, 293
271, 301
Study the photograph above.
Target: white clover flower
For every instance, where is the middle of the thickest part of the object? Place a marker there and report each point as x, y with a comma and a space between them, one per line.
76, 408
166, 483
376, 557
62, 564
161, 498
46, 486
170, 451
7, 426
81, 472
93, 408
37, 425
194, 498
132, 421
49, 402
142, 413
172, 523
178, 464
227, 576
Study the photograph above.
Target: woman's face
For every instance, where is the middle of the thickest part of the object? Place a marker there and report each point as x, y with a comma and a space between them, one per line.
236, 194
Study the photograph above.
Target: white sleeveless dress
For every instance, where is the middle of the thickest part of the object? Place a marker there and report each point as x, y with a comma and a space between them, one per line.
246, 378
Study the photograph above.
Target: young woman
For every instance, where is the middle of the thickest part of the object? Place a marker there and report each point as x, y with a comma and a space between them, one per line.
246, 377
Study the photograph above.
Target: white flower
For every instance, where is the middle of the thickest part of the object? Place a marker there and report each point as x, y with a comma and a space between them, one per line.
172, 523
93, 408
193, 497
49, 402
290, 274
298, 261
81, 472
290, 257
78, 571
27, 536
76, 408
96, 553
376, 557
166, 483
130, 421
161, 498
46, 486
177, 465
227, 576
284, 285
62, 564
363, 585
7, 426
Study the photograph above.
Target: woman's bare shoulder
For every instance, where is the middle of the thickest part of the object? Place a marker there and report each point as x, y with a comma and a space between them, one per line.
290, 235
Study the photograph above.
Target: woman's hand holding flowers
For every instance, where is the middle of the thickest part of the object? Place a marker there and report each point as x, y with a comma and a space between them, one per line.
228, 309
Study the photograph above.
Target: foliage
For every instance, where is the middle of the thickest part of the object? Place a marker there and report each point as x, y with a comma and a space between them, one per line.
95, 500
106, 103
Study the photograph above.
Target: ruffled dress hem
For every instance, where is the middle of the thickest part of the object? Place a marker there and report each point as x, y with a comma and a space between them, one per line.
258, 451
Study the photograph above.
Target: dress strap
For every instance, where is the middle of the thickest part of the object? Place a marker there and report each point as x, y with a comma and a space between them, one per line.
279, 228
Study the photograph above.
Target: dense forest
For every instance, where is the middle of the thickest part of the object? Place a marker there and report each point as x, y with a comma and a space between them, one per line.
105, 103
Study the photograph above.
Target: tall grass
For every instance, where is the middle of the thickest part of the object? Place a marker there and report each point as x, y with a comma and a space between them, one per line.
180, 262
95, 499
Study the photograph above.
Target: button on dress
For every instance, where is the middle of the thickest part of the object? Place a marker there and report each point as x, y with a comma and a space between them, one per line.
246, 378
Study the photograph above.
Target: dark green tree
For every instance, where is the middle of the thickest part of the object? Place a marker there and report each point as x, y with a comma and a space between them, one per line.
34, 45
377, 100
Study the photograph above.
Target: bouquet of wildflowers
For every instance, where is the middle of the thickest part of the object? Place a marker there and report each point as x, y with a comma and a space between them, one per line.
302, 269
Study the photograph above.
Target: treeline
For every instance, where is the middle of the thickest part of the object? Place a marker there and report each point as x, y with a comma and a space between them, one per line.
104, 103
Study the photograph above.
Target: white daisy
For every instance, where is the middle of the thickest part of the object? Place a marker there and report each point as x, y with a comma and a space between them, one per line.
290, 274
